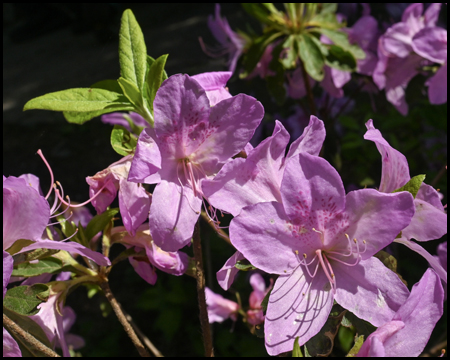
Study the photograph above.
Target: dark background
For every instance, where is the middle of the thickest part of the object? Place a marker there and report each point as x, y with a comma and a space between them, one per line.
51, 47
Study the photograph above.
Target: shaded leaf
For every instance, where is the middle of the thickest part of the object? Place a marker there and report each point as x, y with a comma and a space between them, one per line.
340, 59
297, 352
359, 341
99, 222
131, 92
340, 38
44, 266
311, 56
156, 75
244, 265
25, 299
122, 141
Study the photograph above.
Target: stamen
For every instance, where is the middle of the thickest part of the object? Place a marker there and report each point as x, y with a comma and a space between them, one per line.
82, 204
50, 170
325, 270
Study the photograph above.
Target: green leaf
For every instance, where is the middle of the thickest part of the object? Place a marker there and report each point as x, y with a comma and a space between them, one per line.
32, 328
340, 38
328, 8
122, 141
290, 54
132, 50
131, 92
67, 227
359, 341
325, 20
18, 245
340, 59
156, 75
45, 266
266, 13
81, 117
297, 352
33, 255
25, 299
79, 100
99, 222
256, 50
244, 265
412, 185
311, 56
109, 84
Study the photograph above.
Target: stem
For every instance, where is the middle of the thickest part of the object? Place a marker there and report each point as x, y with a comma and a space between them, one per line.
204, 322
439, 175
144, 338
219, 231
123, 320
27, 338
312, 105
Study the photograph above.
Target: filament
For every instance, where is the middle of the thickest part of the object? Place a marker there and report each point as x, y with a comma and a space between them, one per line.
50, 170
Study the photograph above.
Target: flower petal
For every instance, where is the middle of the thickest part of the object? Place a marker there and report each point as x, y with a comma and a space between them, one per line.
369, 290
173, 214
225, 276
298, 307
431, 43
25, 212
232, 124
437, 86
311, 140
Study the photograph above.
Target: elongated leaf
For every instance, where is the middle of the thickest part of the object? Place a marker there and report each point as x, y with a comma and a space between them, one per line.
156, 75
244, 265
81, 117
325, 20
297, 352
32, 328
122, 141
25, 299
132, 50
99, 222
45, 266
341, 59
108, 84
290, 54
131, 92
37, 254
340, 38
356, 347
412, 185
311, 56
78, 99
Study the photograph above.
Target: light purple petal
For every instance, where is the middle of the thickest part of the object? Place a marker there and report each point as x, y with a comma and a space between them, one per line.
219, 308
374, 344
429, 194
412, 15
397, 40
432, 14
225, 276
420, 314
294, 310
340, 77
181, 110
232, 124
146, 161
173, 214
25, 212
7, 270
175, 263
214, 83
377, 218
311, 186
134, 204
434, 262
262, 235
10, 346
442, 254
33, 181
328, 84
259, 291
311, 140
428, 223
144, 270
257, 178
437, 86
369, 290
395, 169
71, 247
431, 43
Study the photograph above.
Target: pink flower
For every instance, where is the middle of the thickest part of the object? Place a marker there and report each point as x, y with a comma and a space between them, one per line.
255, 314
321, 242
219, 308
191, 141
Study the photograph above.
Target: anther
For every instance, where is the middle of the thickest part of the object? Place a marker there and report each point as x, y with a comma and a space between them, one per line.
296, 252
304, 255
354, 240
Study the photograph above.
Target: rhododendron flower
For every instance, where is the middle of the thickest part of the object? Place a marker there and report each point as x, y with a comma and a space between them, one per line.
409, 330
134, 202
175, 263
398, 61
442, 258
214, 84
190, 142
231, 43
255, 314
219, 308
225, 276
430, 219
26, 214
10, 346
321, 242
257, 178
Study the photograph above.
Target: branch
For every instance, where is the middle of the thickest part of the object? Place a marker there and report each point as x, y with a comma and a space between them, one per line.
207, 339
27, 338
122, 318
144, 338
219, 231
